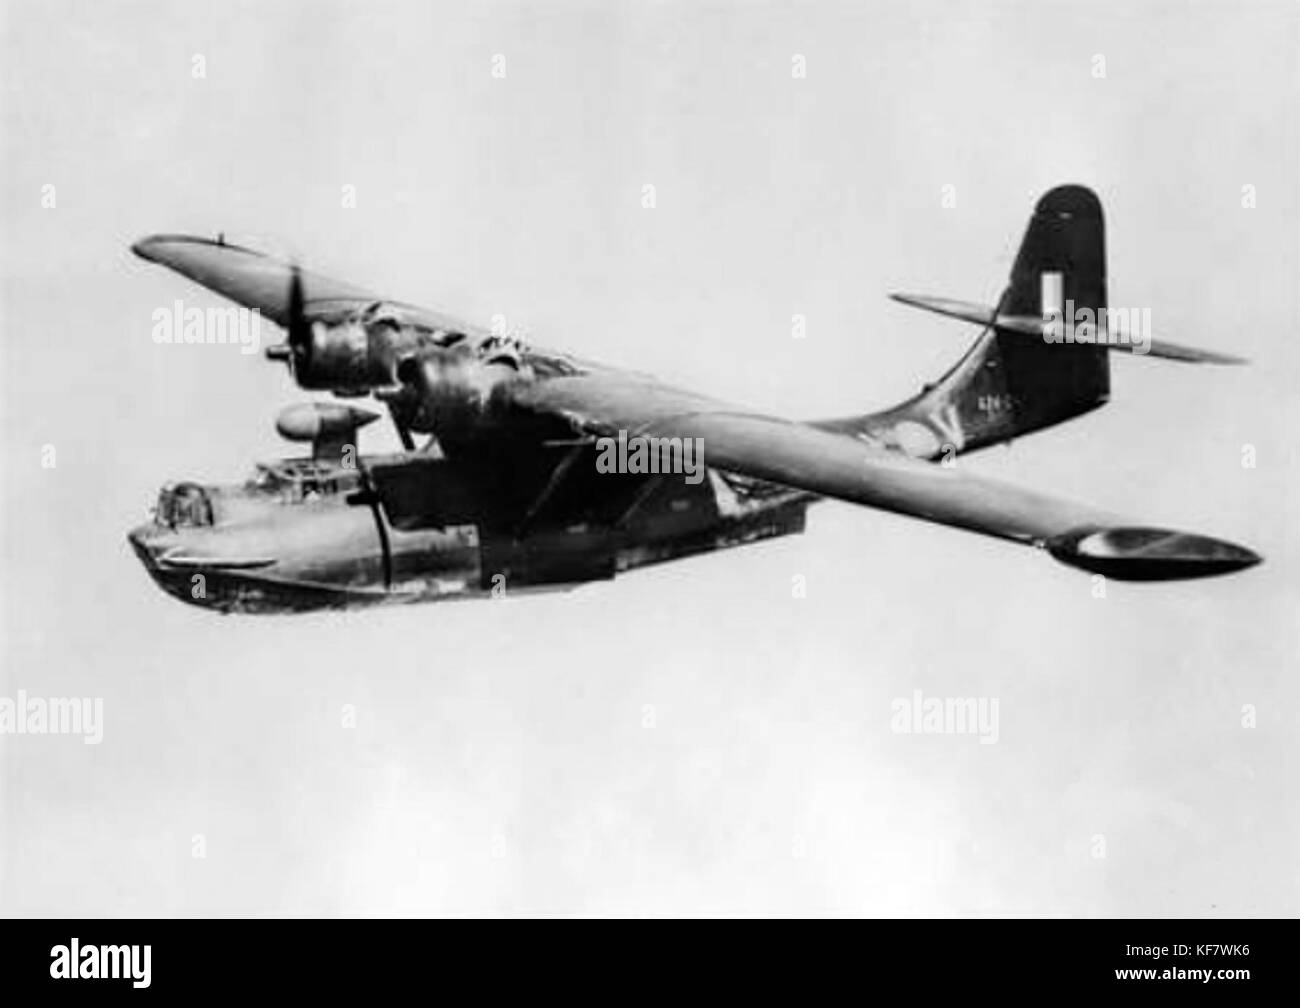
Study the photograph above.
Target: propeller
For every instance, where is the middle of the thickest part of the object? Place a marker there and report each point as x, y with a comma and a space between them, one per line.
296, 350
403, 400
403, 431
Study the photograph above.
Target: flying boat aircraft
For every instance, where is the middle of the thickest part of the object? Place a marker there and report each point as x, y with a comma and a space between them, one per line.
507, 492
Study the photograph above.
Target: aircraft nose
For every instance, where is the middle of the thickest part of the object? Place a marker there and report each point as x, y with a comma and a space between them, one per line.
138, 538
149, 541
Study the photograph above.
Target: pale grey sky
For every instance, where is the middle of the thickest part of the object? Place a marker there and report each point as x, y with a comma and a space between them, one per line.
500, 762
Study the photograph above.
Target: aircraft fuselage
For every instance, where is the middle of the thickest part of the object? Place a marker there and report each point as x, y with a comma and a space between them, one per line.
304, 535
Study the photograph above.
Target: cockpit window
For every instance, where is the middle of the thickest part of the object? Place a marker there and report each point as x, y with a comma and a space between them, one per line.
185, 505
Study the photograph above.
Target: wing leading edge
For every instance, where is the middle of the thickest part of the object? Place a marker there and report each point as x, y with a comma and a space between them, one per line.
262, 282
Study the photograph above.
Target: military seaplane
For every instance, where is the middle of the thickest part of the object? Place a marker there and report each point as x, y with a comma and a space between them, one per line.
506, 493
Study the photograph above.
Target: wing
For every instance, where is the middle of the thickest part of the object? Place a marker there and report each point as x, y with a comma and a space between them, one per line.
837, 465
259, 281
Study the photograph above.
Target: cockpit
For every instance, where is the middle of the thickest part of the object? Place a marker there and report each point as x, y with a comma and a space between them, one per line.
184, 505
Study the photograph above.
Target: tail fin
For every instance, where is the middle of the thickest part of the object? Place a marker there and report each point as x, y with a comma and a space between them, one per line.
1021, 376
1062, 258
1010, 383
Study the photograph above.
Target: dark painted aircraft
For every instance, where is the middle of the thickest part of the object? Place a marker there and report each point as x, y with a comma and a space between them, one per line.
507, 493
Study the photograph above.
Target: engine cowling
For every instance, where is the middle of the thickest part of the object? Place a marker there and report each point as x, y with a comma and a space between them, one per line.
348, 352
347, 356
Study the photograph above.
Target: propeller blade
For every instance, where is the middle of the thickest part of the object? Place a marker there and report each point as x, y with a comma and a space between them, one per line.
403, 431
298, 327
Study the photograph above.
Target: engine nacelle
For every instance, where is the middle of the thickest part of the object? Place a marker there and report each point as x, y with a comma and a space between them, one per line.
355, 352
348, 355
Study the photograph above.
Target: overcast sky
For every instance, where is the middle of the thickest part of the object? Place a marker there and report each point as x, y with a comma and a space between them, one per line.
690, 738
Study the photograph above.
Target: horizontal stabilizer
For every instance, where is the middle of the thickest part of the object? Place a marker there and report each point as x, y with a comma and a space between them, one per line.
964, 310
1117, 338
